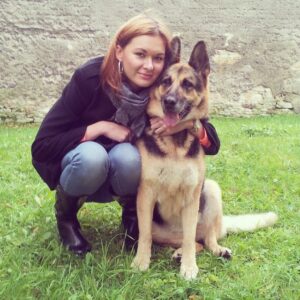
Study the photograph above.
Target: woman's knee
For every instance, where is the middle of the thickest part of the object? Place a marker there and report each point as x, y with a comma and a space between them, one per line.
85, 168
125, 157
93, 158
125, 168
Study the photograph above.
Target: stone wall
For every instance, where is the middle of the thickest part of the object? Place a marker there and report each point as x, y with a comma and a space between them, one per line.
253, 46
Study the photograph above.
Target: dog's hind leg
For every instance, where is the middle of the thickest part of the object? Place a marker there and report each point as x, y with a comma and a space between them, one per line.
211, 243
209, 228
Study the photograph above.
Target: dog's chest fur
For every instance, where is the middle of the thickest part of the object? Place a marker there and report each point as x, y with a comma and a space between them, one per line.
171, 168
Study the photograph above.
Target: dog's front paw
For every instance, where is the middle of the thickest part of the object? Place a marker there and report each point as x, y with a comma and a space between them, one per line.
140, 263
189, 272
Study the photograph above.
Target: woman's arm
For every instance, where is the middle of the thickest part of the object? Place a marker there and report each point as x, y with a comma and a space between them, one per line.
207, 134
60, 130
213, 138
111, 130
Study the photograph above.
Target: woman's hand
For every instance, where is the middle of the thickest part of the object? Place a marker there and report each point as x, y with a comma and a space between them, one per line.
111, 130
159, 127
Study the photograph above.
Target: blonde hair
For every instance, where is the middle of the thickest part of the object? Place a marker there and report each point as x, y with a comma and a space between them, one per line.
139, 25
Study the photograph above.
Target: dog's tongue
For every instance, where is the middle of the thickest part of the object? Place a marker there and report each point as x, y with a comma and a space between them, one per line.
170, 120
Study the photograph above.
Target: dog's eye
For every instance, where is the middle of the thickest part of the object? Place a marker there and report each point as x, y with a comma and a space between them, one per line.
167, 81
187, 84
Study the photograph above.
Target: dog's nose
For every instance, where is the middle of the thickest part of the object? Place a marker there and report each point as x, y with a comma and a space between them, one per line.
169, 102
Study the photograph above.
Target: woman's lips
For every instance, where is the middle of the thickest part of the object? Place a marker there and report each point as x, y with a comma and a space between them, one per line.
145, 76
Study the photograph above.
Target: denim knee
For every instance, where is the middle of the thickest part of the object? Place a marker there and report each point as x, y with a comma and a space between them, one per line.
125, 169
85, 169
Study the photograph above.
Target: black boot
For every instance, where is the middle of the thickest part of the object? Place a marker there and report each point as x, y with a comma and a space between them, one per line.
66, 208
129, 221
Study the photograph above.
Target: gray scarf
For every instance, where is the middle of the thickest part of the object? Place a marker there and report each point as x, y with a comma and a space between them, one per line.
131, 109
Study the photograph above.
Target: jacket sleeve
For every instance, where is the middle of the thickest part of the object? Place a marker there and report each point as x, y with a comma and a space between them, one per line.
60, 130
211, 132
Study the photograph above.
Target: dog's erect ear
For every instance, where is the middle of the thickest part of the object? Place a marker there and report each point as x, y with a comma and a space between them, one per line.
176, 48
199, 59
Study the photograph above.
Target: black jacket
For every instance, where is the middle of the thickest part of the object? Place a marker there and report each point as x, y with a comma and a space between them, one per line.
82, 103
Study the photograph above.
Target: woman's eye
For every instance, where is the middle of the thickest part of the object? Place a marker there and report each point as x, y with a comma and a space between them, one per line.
159, 59
140, 54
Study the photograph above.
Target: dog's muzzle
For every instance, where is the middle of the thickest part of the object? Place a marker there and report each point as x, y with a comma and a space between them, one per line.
171, 108
169, 104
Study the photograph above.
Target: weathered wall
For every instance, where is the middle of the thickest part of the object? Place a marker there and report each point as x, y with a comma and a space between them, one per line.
253, 45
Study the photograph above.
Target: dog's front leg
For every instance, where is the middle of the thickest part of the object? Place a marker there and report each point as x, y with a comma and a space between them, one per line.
189, 268
145, 206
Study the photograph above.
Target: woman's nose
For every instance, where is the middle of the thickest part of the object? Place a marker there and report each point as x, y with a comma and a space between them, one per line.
148, 64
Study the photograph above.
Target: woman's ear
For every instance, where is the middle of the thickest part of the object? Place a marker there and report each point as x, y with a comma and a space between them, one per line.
119, 53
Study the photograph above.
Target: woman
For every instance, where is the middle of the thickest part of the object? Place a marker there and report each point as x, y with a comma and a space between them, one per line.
83, 148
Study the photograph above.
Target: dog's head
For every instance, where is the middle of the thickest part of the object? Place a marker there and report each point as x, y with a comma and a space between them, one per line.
182, 93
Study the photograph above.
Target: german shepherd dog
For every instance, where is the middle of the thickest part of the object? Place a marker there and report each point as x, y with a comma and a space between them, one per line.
173, 173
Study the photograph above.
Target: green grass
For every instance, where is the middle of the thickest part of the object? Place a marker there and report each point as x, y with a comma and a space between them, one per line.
258, 168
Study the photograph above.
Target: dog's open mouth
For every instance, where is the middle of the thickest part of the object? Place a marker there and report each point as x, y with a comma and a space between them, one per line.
171, 119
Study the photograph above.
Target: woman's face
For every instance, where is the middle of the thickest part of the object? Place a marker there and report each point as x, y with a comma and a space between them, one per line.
143, 60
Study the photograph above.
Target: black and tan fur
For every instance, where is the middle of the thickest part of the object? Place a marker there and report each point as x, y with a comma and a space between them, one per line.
173, 172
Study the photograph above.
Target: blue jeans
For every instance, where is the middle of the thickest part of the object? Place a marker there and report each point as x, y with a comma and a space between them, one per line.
89, 170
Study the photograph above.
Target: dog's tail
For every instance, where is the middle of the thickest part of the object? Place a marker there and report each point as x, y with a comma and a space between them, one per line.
250, 222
